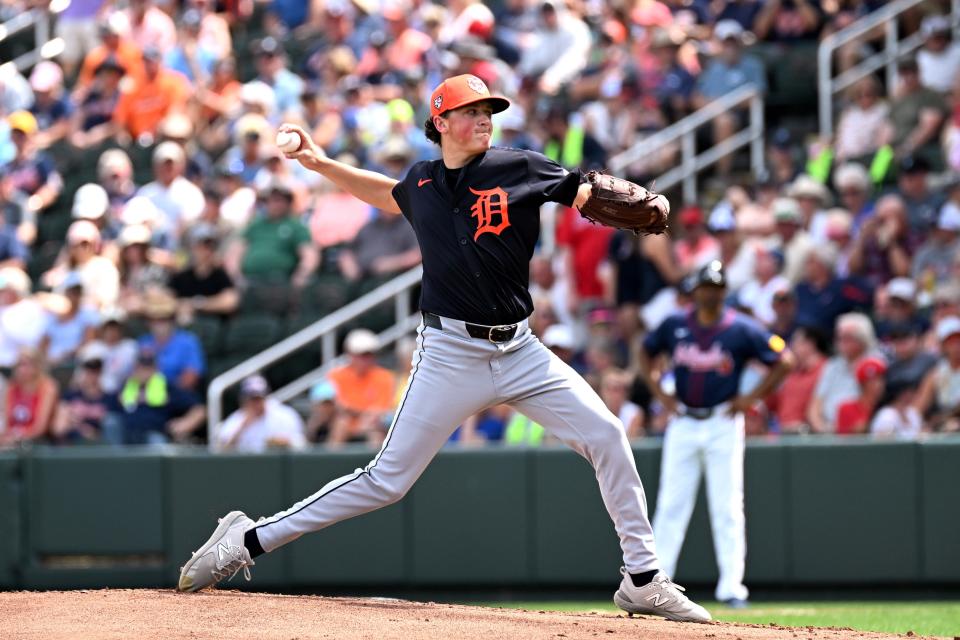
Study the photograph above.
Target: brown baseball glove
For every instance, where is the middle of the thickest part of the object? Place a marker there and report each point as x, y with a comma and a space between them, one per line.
619, 203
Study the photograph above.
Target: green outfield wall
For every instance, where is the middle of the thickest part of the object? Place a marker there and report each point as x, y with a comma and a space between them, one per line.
824, 511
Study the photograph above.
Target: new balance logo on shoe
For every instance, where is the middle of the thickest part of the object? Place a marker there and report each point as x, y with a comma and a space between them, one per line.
225, 551
657, 602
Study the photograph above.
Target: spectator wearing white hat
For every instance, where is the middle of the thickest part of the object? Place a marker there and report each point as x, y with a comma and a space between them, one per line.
261, 422
795, 242
365, 392
180, 200
140, 267
101, 281
939, 59
813, 198
939, 397
22, 318
932, 262
91, 202
50, 107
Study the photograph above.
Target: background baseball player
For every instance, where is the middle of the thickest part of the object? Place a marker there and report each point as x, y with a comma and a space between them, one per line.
476, 217
709, 346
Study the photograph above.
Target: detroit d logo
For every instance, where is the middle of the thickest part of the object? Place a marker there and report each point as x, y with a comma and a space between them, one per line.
490, 210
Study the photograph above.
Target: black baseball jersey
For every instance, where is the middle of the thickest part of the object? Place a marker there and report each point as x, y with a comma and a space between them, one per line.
477, 229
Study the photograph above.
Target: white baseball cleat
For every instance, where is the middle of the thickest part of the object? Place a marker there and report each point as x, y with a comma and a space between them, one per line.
659, 598
222, 556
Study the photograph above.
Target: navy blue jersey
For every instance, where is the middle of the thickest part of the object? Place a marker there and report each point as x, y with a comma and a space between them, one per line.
477, 234
708, 361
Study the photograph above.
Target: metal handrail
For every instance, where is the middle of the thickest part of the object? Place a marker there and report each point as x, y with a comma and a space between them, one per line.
685, 130
44, 46
894, 47
324, 330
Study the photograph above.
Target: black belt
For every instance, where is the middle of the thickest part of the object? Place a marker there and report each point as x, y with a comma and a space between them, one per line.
698, 413
499, 333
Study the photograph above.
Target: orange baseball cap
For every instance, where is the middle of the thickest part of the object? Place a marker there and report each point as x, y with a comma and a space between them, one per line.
460, 91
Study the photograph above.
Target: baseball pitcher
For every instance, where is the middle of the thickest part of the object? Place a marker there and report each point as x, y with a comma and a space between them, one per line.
476, 216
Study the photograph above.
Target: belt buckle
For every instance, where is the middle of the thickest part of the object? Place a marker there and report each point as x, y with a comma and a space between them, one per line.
501, 327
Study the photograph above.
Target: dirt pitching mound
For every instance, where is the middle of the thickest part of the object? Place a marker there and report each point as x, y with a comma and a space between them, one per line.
154, 614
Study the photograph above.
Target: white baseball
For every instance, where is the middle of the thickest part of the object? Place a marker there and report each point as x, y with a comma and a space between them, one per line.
288, 141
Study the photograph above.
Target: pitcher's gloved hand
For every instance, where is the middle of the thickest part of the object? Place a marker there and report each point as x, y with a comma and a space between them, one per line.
619, 203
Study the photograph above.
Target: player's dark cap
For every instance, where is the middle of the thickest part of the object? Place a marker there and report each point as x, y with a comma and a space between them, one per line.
462, 90
712, 274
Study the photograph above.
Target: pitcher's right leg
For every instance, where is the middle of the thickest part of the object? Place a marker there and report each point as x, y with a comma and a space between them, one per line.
449, 382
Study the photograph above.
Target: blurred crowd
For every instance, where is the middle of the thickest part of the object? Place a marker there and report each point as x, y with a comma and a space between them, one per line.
153, 236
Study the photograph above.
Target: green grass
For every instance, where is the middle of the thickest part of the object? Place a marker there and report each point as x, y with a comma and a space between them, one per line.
923, 618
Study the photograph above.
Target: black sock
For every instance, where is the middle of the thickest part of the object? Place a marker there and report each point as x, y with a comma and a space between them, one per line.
252, 543
639, 579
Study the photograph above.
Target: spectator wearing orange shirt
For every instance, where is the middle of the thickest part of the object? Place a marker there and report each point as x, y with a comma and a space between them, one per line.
126, 52
140, 111
365, 393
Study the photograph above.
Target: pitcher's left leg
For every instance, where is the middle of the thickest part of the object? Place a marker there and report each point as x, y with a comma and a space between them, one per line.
724, 474
541, 386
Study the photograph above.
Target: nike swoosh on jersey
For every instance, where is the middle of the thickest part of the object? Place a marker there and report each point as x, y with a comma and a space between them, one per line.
423, 181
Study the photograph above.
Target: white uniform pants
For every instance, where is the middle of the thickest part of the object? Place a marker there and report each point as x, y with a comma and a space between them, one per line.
691, 446
453, 377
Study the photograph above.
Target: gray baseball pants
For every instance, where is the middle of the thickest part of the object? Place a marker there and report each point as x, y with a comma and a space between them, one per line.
454, 376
